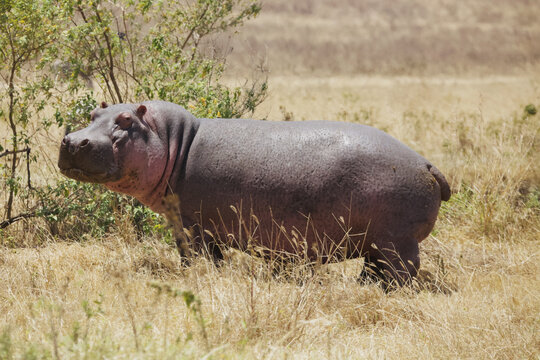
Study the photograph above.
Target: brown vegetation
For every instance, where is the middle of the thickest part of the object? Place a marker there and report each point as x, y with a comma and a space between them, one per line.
331, 37
478, 294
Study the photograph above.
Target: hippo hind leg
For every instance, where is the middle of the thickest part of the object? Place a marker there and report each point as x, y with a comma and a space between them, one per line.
395, 263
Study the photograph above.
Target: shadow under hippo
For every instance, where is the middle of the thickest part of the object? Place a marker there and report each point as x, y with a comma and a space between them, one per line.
339, 185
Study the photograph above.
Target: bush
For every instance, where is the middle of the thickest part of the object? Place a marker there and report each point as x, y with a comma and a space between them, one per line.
72, 209
78, 44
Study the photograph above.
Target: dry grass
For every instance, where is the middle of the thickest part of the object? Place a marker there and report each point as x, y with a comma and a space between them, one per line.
113, 299
478, 294
330, 37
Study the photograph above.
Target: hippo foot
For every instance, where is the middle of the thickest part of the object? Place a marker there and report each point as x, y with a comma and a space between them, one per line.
392, 266
210, 250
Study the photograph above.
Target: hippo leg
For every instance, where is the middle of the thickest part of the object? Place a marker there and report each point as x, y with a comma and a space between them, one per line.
198, 242
397, 262
206, 244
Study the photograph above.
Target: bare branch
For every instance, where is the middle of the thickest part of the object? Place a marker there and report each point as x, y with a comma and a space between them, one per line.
4, 224
111, 59
192, 31
28, 167
11, 152
128, 39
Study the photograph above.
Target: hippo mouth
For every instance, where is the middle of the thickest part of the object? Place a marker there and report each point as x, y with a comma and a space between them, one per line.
81, 175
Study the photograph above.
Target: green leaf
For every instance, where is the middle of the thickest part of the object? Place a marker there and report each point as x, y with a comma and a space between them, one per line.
530, 109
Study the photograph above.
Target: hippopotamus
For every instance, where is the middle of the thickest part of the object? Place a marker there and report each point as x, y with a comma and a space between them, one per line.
309, 187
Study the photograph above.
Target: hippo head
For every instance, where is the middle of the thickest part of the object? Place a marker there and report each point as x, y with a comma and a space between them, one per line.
120, 149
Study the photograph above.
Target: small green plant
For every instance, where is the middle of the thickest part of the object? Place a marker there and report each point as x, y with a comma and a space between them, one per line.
286, 115
76, 113
530, 109
6, 351
90, 311
192, 302
72, 209
533, 200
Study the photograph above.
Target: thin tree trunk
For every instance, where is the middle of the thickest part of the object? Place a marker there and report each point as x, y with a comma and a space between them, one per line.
111, 60
11, 93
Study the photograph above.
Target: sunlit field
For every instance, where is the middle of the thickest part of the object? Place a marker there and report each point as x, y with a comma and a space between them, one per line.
123, 296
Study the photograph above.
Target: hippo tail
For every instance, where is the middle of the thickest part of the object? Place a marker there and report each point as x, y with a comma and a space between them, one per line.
443, 184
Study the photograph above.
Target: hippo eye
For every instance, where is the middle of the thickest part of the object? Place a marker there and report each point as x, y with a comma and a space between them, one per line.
124, 121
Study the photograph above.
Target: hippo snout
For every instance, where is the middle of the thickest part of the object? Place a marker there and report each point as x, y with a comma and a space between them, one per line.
74, 145
86, 158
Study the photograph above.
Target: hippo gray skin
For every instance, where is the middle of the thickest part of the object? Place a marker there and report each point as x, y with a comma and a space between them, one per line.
340, 187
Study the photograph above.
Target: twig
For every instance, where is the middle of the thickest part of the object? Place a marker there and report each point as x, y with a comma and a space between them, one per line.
4, 224
110, 55
192, 30
28, 167
11, 152
27, 151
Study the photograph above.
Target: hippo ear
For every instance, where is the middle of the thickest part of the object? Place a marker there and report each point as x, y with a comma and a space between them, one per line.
103, 105
141, 110
124, 121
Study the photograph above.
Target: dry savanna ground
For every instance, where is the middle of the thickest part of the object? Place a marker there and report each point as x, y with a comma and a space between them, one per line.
478, 294
329, 37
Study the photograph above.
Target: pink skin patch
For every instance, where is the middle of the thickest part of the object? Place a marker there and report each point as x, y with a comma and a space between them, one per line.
124, 121
146, 165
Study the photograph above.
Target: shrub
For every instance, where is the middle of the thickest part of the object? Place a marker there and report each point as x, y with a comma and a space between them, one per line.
77, 44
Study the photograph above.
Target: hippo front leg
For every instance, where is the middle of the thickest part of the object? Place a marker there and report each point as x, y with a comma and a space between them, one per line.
194, 241
395, 262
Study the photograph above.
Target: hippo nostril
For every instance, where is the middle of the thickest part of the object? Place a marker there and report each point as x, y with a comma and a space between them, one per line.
65, 141
84, 142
